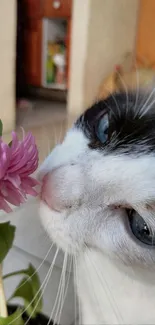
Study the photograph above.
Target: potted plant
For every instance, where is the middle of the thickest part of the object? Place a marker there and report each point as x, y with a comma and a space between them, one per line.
18, 160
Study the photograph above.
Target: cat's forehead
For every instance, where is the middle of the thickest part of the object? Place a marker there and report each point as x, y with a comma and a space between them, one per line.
131, 122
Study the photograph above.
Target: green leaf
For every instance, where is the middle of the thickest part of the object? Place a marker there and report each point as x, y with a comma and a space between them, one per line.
10, 144
1, 128
14, 319
9, 275
24, 291
7, 233
29, 290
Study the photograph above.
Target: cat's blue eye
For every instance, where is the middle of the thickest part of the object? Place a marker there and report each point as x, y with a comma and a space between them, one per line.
140, 229
102, 128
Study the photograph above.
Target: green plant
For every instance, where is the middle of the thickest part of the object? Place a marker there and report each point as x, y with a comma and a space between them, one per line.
28, 289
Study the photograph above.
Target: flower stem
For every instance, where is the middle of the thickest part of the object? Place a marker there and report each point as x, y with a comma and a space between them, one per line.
3, 306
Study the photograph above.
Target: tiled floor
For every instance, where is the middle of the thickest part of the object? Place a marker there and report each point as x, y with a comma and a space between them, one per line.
48, 121
41, 112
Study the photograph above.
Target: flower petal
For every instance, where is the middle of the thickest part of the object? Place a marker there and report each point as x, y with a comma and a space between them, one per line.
17, 162
28, 189
30, 181
4, 205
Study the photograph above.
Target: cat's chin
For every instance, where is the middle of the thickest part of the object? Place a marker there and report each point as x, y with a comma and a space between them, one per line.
127, 293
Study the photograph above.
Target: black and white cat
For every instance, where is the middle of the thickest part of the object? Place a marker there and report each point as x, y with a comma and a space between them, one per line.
98, 204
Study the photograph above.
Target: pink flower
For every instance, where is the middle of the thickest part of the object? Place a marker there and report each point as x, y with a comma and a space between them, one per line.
17, 162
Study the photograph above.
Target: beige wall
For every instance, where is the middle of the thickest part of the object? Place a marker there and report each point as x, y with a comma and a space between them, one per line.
103, 31
80, 24
7, 62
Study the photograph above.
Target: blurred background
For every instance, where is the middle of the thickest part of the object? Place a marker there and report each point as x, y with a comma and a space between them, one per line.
56, 56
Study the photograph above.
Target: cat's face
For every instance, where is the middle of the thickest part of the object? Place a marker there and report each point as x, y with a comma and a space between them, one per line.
105, 163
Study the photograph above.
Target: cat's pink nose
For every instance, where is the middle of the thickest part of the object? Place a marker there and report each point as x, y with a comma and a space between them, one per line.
62, 188
49, 192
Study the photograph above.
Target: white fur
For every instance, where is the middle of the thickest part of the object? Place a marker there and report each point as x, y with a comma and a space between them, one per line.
116, 274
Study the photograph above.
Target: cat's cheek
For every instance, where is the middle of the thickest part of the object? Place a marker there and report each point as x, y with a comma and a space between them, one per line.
116, 240
53, 222
64, 228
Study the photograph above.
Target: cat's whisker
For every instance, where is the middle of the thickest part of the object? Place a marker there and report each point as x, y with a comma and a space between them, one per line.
118, 108
114, 99
58, 294
137, 90
62, 289
146, 108
91, 283
77, 301
75, 281
41, 295
67, 285
126, 91
36, 271
105, 289
56, 141
108, 291
40, 291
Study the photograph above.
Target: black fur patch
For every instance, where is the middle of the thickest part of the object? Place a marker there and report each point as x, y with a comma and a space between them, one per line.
129, 132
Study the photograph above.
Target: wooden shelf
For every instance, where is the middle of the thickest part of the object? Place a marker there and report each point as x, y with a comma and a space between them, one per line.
56, 86
36, 11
